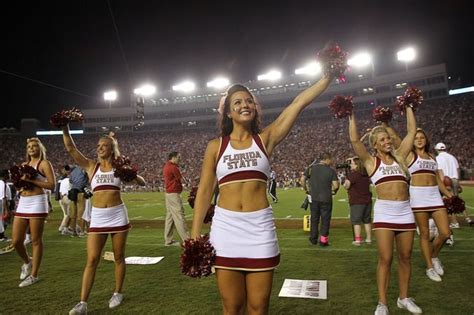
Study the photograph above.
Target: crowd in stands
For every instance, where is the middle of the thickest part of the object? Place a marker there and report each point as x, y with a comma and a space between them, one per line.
448, 120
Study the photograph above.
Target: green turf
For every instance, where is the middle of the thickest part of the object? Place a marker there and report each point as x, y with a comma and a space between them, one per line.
161, 289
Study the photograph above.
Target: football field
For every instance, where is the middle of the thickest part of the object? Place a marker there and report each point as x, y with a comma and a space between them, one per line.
162, 289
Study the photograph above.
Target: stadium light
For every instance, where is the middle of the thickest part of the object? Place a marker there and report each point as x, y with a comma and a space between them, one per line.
360, 60
271, 75
312, 68
110, 96
145, 90
186, 86
58, 132
218, 83
406, 55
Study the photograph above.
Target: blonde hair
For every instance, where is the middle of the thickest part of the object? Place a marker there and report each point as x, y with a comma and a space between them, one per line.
115, 146
395, 156
41, 147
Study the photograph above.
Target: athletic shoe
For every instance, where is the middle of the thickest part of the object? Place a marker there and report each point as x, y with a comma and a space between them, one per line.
173, 243
409, 305
433, 275
4, 239
454, 225
369, 242
356, 243
323, 244
10, 248
381, 309
82, 234
115, 300
28, 281
25, 271
468, 220
438, 266
450, 240
27, 241
79, 309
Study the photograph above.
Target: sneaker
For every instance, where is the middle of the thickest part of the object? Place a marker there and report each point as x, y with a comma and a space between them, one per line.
323, 244
27, 241
381, 309
82, 234
173, 243
438, 266
433, 275
10, 248
409, 305
28, 281
115, 300
468, 220
356, 243
79, 309
454, 225
450, 240
25, 271
368, 242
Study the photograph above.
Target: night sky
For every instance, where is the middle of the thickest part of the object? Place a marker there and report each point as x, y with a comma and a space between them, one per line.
74, 44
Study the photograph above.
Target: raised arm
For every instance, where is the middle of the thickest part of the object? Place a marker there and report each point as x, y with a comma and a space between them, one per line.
358, 146
279, 129
207, 184
396, 140
407, 143
71, 148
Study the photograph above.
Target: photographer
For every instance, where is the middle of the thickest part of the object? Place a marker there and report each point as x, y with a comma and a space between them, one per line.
78, 180
360, 200
324, 184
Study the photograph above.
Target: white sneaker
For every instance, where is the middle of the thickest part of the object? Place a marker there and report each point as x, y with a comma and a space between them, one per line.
27, 241
79, 309
454, 225
450, 240
115, 300
381, 309
409, 304
28, 281
433, 275
25, 271
357, 243
438, 266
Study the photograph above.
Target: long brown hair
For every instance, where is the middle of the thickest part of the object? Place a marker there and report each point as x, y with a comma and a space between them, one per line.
226, 123
395, 156
41, 147
427, 146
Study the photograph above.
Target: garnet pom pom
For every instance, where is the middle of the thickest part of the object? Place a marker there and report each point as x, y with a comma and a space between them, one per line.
64, 117
412, 97
341, 106
209, 214
333, 60
192, 196
198, 257
454, 205
17, 172
123, 169
382, 114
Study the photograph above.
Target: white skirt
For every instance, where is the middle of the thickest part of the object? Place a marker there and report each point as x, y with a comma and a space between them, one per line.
109, 220
393, 215
32, 207
245, 240
426, 199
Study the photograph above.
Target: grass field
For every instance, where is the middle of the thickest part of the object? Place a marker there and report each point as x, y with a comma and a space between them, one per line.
162, 289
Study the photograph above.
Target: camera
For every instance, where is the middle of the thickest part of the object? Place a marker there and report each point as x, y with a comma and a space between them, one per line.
87, 192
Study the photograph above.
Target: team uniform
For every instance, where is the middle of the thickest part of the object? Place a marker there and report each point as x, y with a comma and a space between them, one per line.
112, 219
244, 240
425, 198
33, 207
391, 214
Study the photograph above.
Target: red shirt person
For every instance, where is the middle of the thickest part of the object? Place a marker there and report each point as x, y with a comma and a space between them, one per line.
174, 205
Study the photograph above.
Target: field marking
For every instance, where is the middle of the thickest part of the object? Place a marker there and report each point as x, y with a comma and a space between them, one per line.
134, 218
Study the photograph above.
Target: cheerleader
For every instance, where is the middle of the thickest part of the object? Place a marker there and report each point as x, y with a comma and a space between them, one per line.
32, 211
393, 217
108, 215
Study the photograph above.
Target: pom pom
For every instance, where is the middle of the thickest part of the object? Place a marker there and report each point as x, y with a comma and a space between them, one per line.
341, 106
17, 172
198, 257
412, 97
382, 114
209, 214
333, 60
123, 169
192, 196
454, 205
64, 117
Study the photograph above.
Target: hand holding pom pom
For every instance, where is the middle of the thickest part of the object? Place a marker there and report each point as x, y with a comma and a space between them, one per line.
192, 196
412, 97
333, 60
454, 205
123, 169
198, 257
341, 106
209, 214
17, 173
382, 114
64, 117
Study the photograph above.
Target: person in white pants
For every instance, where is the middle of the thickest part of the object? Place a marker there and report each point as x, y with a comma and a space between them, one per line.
64, 202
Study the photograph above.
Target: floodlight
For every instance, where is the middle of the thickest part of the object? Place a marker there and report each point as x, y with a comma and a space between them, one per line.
186, 86
110, 96
145, 90
272, 75
218, 83
311, 68
407, 54
360, 60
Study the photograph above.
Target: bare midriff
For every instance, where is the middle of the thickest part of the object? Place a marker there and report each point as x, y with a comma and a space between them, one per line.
243, 196
106, 199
